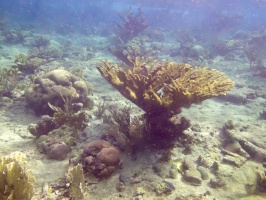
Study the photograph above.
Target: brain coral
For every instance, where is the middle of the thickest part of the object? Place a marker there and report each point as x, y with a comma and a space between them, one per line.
54, 85
101, 158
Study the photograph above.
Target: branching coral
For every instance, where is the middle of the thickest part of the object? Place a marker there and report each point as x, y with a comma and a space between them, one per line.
165, 87
133, 24
161, 89
132, 49
15, 181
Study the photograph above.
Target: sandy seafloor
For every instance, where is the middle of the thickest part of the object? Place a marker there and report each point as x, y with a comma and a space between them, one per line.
209, 116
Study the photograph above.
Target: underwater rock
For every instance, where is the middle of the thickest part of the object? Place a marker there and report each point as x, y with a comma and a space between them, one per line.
203, 172
43, 127
120, 187
191, 174
196, 128
261, 179
217, 183
236, 161
54, 85
229, 125
58, 151
55, 149
139, 192
196, 52
165, 170
163, 188
206, 162
254, 151
263, 114
100, 158
238, 99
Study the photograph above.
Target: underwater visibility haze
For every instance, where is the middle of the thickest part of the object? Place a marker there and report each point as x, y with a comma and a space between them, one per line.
133, 99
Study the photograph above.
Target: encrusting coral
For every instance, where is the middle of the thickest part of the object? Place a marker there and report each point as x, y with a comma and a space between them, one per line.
161, 89
15, 181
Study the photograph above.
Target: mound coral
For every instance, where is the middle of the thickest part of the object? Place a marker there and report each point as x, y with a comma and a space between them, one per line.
100, 157
15, 181
54, 85
161, 89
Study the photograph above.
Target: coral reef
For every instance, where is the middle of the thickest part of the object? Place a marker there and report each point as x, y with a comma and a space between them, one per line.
100, 158
9, 79
57, 143
13, 36
16, 182
56, 135
54, 85
73, 114
133, 24
135, 47
255, 51
161, 89
40, 41
181, 84
27, 64
61, 132
126, 132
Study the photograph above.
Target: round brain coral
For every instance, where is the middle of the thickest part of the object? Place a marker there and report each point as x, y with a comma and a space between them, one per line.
100, 158
54, 85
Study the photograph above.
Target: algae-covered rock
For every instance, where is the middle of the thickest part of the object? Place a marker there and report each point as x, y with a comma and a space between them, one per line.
53, 87
190, 172
163, 188
16, 182
165, 170
43, 127
28, 64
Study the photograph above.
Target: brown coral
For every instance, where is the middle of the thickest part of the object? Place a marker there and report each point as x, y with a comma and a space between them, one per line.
161, 89
100, 157
54, 85
165, 88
